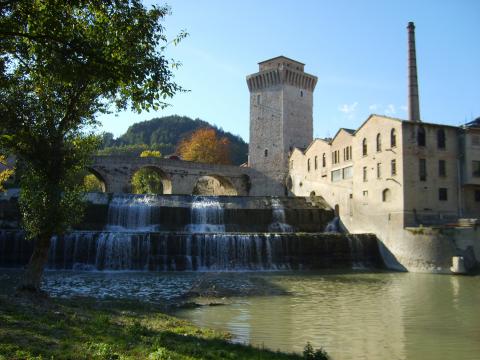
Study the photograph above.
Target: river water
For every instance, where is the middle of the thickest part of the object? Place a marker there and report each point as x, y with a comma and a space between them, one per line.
353, 315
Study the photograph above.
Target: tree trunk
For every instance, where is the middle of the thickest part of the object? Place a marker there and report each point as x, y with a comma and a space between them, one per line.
33, 274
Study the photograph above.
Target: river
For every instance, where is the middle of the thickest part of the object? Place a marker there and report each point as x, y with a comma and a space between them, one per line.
353, 315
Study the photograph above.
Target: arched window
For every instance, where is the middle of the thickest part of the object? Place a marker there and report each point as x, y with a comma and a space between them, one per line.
324, 160
421, 139
441, 138
364, 147
386, 195
316, 163
265, 152
393, 138
379, 142
308, 164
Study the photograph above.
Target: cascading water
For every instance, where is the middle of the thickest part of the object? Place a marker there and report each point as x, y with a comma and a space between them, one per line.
137, 236
133, 212
333, 226
206, 215
279, 223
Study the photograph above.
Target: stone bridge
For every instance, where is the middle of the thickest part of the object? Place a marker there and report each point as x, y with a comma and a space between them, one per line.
181, 177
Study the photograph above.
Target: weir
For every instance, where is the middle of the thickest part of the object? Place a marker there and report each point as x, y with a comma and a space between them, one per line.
185, 233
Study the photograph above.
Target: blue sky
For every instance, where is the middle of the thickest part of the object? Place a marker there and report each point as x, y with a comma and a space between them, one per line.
357, 49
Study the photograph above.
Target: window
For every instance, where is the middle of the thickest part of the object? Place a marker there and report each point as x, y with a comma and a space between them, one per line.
475, 168
316, 163
336, 175
421, 140
423, 169
477, 195
324, 160
258, 99
365, 178
441, 138
393, 167
308, 165
301, 93
379, 170
442, 194
265, 152
348, 172
336, 157
442, 171
393, 138
379, 143
386, 195
364, 147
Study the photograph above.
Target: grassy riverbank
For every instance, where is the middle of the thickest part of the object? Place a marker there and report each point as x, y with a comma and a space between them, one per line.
100, 329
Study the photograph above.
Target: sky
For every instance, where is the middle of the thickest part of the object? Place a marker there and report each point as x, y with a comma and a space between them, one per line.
356, 48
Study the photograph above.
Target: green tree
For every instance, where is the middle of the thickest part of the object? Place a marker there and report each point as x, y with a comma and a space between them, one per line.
147, 181
61, 64
92, 184
5, 173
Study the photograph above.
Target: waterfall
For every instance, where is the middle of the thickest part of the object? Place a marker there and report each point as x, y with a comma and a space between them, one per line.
333, 226
279, 223
133, 212
206, 215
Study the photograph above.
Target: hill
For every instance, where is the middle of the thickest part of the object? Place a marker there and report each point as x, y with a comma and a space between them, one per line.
164, 134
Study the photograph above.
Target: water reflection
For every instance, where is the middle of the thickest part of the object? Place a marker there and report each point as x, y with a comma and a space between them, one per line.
352, 315
360, 316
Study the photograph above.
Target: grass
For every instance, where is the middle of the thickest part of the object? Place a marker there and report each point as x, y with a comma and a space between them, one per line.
33, 328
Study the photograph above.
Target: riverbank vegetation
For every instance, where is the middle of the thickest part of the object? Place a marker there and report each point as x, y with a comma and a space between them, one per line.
83, 328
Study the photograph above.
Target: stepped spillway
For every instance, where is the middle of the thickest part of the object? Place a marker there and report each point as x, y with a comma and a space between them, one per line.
178, 233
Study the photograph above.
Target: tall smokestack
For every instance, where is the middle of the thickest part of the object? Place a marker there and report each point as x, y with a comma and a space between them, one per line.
413, 100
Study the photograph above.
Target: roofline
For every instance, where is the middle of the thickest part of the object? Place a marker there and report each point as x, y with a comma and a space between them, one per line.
403, 121
312, 142
344, 129
281, 56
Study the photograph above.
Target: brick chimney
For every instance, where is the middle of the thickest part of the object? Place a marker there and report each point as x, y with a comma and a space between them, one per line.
413, 99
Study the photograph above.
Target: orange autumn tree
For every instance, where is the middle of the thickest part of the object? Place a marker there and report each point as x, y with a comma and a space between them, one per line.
204, 146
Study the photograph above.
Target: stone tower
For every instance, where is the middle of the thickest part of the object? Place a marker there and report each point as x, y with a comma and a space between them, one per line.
281, 114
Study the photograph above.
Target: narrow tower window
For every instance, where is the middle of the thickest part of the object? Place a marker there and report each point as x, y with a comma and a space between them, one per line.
265, 152
421, 140
379, 142
324, 160
308, 165
316, 163
258, 99
423, 169
393, 138
441, 139
364, 147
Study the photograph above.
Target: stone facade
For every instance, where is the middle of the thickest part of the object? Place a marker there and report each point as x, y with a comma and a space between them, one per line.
281, 104
180, 177
397, 179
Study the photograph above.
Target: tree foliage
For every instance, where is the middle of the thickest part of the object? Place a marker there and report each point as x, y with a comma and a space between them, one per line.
204, 146
164, 134
92, 184
147, 181
61, 64
4, 173
151, 153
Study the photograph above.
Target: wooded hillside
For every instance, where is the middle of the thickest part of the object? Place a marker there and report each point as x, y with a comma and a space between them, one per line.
164, 134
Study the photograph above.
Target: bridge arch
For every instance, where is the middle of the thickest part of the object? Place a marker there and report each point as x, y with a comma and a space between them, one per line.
150, 179
214, 184
102, 183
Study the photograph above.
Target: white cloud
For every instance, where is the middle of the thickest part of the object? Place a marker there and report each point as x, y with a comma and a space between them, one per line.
348, 109
390, 110
373, 107
404, 108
